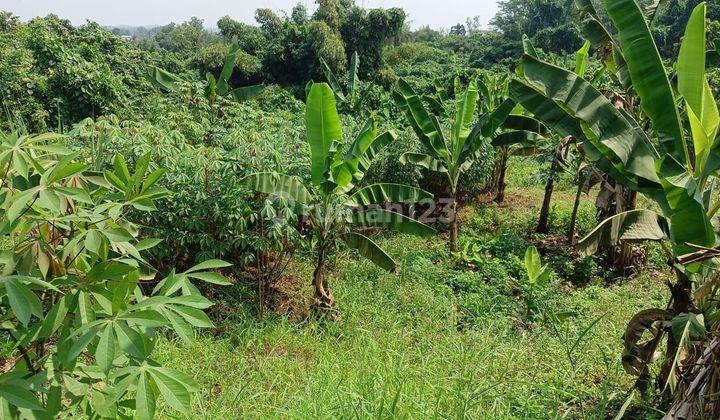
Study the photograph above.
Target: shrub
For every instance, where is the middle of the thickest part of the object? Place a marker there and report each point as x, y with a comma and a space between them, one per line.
212, 58
77, 299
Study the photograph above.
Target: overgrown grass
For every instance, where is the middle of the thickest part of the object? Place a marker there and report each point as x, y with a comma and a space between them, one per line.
434, 340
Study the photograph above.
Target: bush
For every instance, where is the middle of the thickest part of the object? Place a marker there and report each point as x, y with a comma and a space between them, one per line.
212, 58
211, 215
76, 302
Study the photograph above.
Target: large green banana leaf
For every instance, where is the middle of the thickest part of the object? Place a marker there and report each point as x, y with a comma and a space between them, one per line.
648, 75
586, 7
691, 61
556, 117
163, 78
323, 127
630, 226
246, 93
334, 83
464, 117
387, 193
370, 250
424, 161
702, 109
581, 58
473, 143
286, 186
497, 117
366, 158
223, 83
525, 123
528, 47
594, 31
560, 119
603, 125
527, 138
689, 222
351, 170
391, 220
426, 125
343, 171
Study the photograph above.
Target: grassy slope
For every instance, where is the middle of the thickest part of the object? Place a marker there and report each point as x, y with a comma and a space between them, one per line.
410, 345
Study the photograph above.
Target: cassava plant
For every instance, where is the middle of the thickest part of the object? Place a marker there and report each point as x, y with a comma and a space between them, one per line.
78, 305
332, 203
453, 155
672, 156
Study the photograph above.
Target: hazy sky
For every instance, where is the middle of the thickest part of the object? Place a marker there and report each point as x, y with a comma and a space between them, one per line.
436, 13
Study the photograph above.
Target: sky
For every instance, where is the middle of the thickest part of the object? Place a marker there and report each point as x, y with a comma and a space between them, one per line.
436, 13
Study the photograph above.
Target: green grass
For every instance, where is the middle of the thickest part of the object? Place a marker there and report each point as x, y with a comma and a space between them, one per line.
431, 341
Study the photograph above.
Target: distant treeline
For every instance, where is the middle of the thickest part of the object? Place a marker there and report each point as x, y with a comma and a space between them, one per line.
51, 70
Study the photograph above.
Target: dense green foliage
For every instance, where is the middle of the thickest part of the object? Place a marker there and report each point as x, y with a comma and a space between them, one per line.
292, 146
76, 313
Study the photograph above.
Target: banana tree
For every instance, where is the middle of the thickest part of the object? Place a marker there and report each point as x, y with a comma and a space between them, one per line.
215, 87
333, 202
520, 135
672, 166
454, 155
493, 96
562, 145
349, 97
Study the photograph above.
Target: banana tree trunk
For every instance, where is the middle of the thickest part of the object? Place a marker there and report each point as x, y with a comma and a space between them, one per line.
542, 226
500, 183
681, 302
627, 259
323, 296
576, 208
454, 246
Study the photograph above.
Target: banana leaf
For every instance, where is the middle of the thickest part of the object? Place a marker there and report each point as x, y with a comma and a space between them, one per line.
163, 78
556, 117
223, 82
334, 83
343, 171
528, 47
689, 222
391, 220
387, 194
581, 57
464, 117
602, 124
366, 158
424, 161
286, 186
425, 125
648, 75
323, 127
498, 117
370, 250
527, 138
525, 123
246, 93
630, 226
564, 124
